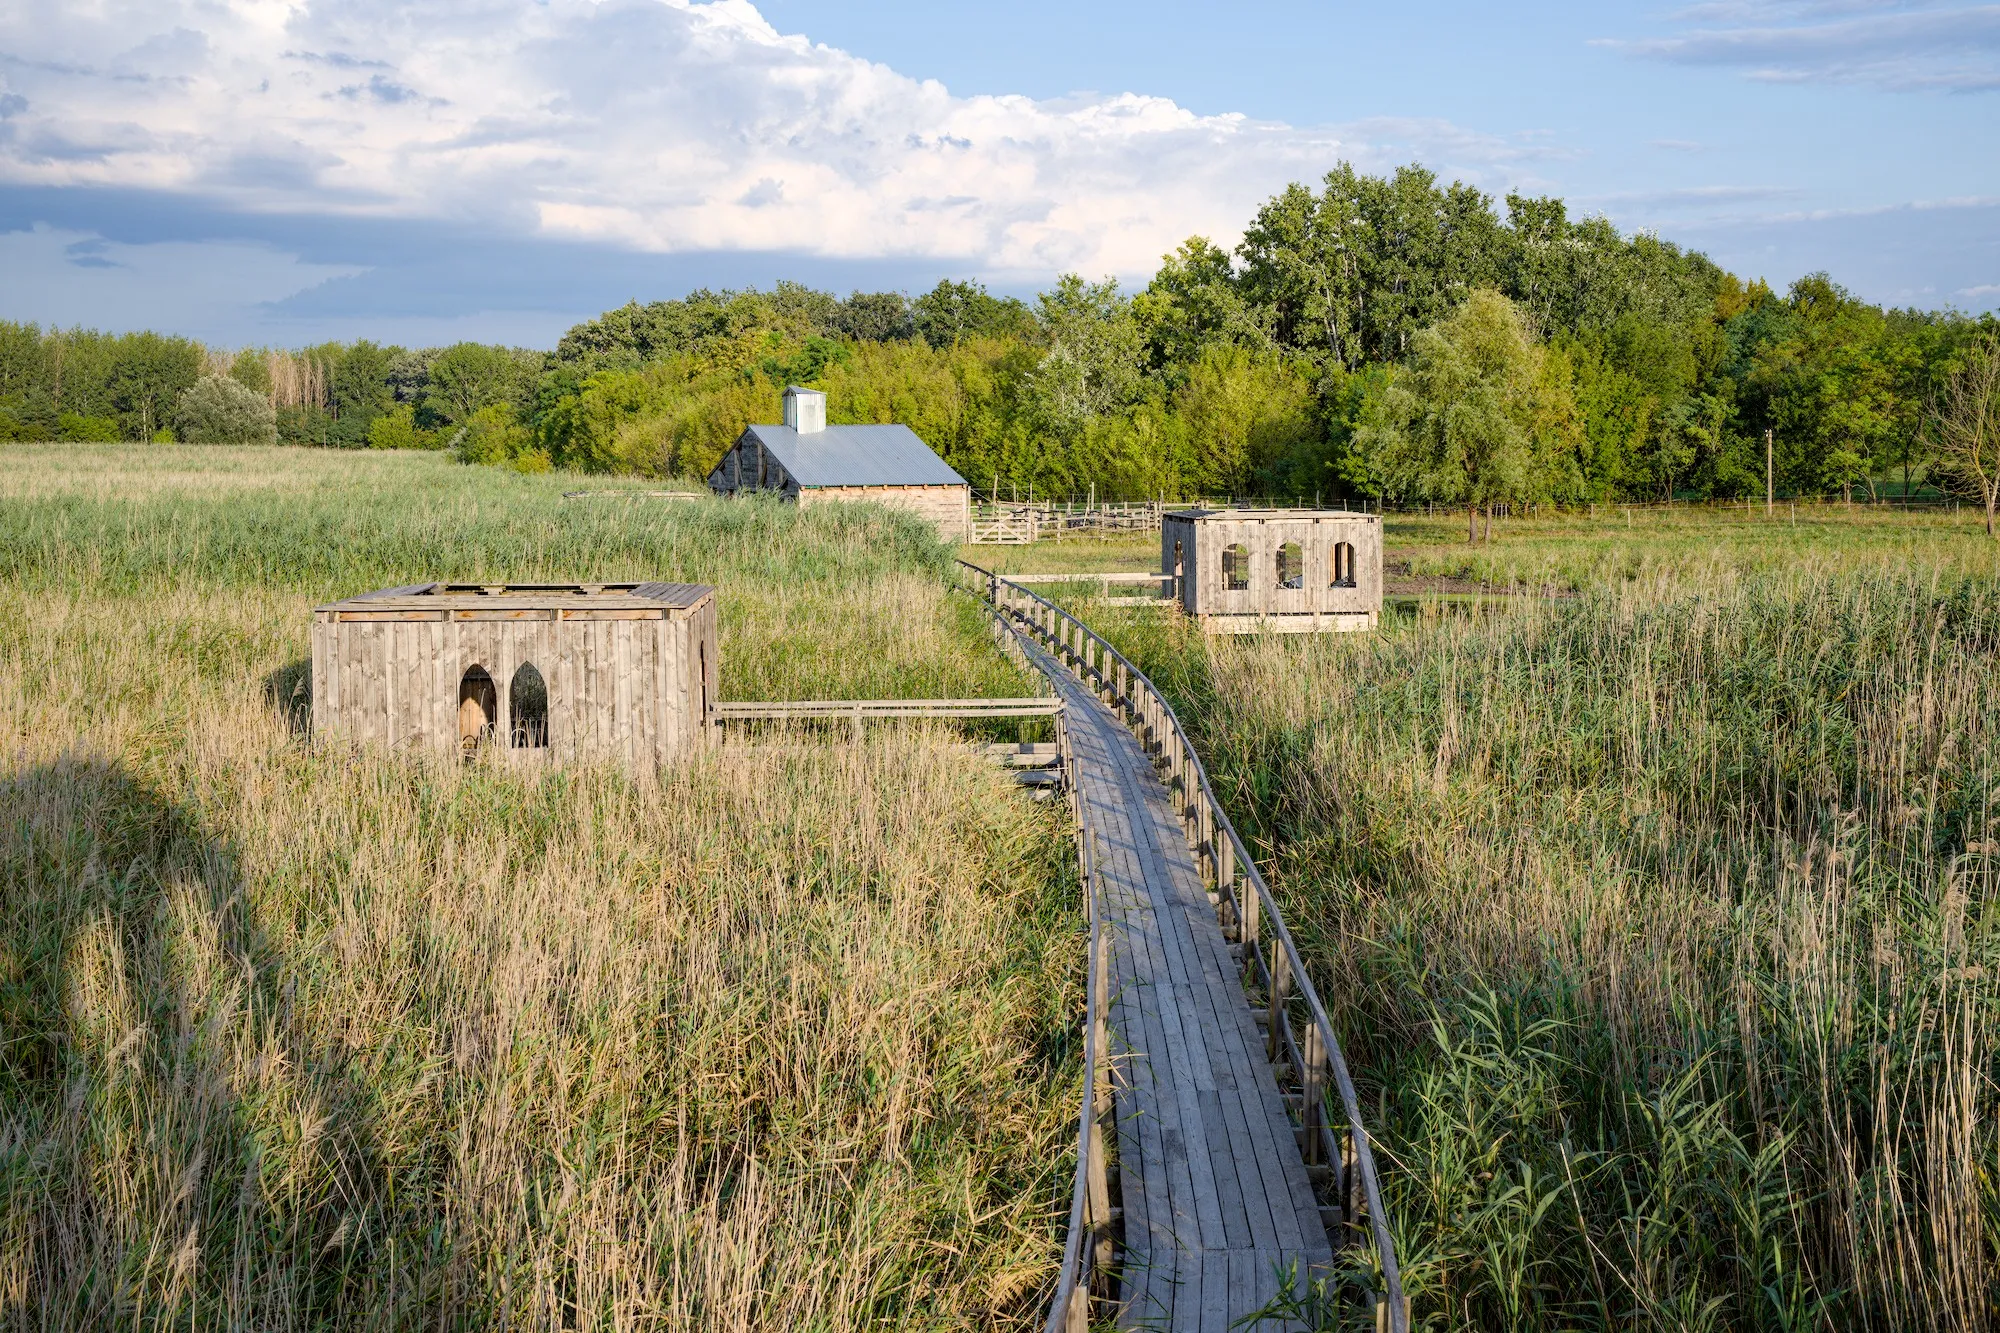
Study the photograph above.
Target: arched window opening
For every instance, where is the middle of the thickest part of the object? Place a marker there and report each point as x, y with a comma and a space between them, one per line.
1236, 567
1343, 565
478, 706
1291, 566
528, 709
1180, 565
701, 651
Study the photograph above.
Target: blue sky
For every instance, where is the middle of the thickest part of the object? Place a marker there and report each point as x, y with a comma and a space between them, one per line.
251, 171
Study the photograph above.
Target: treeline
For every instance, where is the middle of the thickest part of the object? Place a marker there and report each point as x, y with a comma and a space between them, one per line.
76, 384
1292, 366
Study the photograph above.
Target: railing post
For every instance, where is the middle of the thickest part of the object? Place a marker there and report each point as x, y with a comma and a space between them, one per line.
1281, 994
1350, 1194
1225, 878
1252, 908
1204, 852
1312, 1080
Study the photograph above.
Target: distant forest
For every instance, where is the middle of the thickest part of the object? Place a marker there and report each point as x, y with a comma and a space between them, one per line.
1352, 320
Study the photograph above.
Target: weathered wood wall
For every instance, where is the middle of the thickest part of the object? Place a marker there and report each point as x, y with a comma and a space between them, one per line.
1202, 541
950, 507
631, 686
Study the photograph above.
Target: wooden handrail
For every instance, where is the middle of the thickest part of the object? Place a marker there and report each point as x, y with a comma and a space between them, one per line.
1091, 658
807, 709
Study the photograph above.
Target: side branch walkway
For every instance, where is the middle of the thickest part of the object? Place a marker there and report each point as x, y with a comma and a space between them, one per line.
1216, 1196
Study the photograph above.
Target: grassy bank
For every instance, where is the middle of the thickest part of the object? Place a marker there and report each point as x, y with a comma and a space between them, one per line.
304, 1038
1661, 925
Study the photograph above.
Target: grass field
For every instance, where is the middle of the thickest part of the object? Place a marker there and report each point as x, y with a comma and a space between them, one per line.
1573, 551
297, 1037
1662, 924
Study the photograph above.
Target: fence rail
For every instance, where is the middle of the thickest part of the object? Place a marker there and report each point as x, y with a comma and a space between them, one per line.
805, 709
1007, 523
1301, 1040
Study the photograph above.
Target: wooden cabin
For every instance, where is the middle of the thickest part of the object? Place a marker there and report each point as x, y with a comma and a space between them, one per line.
808, 462
529, 672
1248, 571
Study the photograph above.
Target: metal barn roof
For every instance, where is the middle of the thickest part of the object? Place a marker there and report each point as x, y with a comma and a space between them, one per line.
856, 456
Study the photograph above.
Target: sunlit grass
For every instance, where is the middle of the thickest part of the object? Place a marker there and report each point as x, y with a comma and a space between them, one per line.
1660, 925
303, 1037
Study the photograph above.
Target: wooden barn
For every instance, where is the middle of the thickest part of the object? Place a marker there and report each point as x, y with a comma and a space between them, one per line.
530, 672
807, 461
1246, 571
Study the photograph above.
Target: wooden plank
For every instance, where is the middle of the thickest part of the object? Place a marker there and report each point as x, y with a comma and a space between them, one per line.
1214, 1187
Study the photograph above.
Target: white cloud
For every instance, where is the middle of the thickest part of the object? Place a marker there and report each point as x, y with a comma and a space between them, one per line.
663, 125
1899, 47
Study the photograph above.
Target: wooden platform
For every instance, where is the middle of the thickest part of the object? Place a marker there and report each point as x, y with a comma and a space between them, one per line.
1215, 1193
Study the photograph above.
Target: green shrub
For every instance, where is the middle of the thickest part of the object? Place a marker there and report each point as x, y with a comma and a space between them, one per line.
398, 430
218, 410
93, 430
496, 435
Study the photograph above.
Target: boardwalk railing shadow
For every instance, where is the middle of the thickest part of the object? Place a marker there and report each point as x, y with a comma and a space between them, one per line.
1300, 1043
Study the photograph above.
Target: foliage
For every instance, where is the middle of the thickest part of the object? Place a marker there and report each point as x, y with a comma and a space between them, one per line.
218, 410
1966, 419
468, 377
398, 429
1459, 427
1656, 375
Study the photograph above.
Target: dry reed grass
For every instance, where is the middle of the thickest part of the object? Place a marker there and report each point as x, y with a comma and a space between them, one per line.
1663, 927
300, 1037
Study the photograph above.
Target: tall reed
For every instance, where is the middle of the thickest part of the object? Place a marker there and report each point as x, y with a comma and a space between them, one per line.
297, 1036
1662, 929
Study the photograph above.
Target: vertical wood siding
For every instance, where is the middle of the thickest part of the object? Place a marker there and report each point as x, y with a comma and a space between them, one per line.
618, 689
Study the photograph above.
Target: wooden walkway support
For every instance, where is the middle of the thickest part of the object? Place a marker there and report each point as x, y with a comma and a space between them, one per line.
1222, 1059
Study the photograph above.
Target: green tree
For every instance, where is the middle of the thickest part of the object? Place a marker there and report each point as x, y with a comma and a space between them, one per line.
250, 369
397, 429
361, 390
146, 377
1193, 304
1094, 360
953, 312
1966, 416
466, 377
878, 317
1457, 426
218, 410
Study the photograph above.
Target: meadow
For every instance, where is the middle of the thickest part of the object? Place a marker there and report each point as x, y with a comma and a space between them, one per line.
1660, 921
298, 1036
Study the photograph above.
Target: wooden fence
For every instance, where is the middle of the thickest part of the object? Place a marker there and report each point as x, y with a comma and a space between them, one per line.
1007, 523
1302, 1044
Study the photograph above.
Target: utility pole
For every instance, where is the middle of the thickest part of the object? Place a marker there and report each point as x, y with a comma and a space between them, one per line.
1770, 495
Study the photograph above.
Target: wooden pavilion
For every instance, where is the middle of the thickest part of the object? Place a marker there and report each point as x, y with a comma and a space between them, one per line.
1248, 571
531, 672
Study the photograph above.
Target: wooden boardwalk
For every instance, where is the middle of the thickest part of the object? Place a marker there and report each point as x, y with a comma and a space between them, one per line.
1216, 1196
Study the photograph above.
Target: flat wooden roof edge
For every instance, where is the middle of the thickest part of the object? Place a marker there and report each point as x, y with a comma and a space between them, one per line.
684, 597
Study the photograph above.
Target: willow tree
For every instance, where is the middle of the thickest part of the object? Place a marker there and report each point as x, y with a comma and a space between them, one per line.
1457, 424
1966, 419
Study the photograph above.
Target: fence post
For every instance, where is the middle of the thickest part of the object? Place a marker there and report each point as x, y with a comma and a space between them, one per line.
1225, 878
1312, 1081
1252, 916
1281, 994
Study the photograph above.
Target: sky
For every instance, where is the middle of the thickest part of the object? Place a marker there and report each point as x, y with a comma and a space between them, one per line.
286, 171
